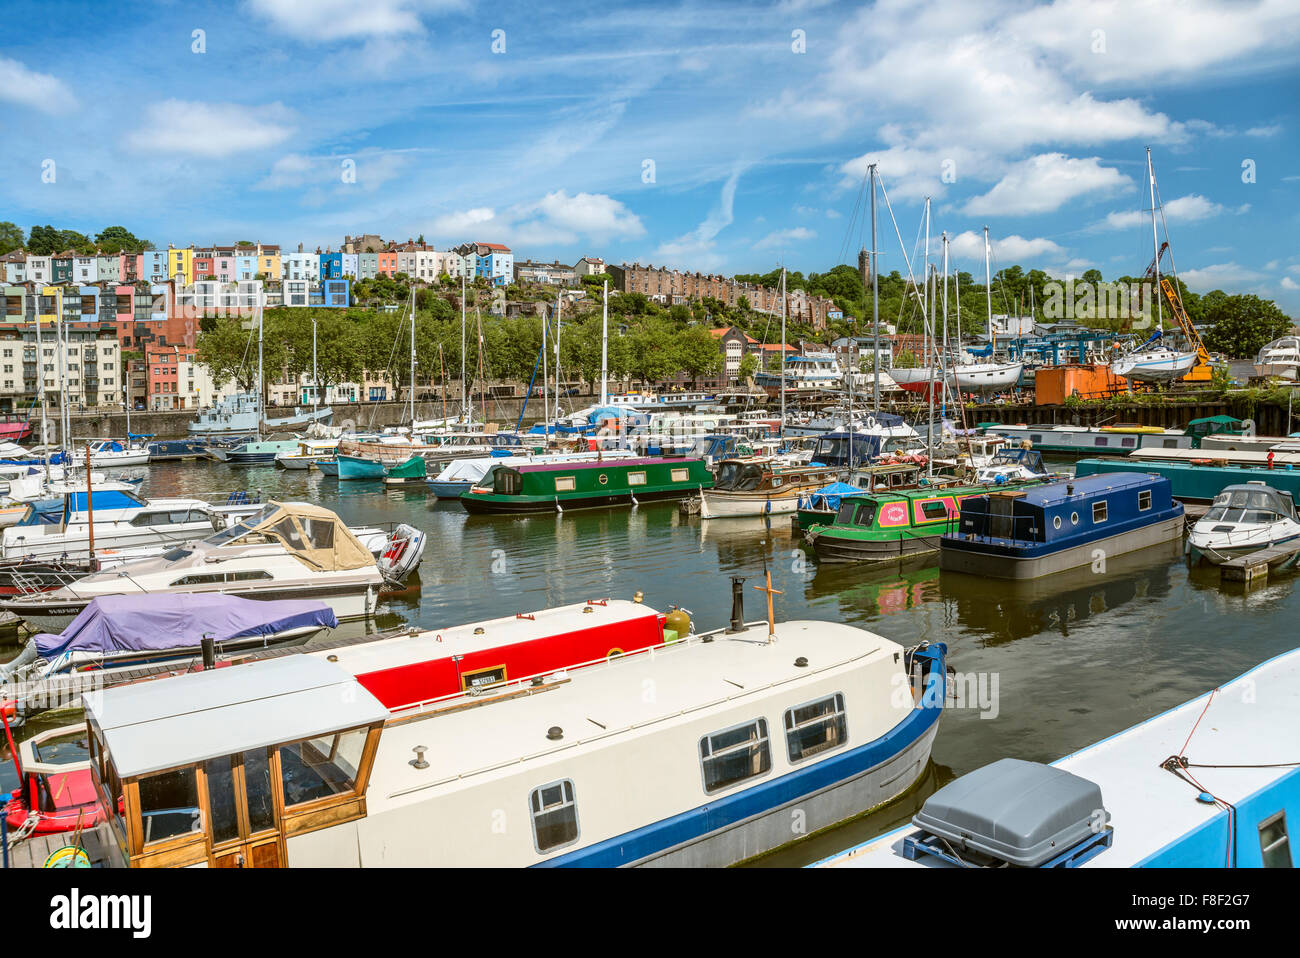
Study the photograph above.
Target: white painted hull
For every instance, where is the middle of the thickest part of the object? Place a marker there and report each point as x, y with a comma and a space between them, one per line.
986, 377
718, 505
130, 457
1154, 367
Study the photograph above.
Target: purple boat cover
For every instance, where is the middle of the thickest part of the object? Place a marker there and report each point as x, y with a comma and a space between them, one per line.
134, 623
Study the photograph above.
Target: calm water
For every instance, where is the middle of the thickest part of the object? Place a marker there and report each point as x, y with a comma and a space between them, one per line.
1075, 661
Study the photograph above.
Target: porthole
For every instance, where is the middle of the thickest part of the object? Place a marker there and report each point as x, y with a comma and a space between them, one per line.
1074, 518
1056, 522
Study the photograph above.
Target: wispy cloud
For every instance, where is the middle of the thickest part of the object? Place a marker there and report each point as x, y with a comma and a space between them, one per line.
36, 91
211, 129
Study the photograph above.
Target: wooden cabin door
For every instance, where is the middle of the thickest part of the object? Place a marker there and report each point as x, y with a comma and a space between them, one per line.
244, 810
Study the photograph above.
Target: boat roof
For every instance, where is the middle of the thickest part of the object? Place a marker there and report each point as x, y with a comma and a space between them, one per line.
156, 725
600, 464
1055, 492
600, 701
1237, 727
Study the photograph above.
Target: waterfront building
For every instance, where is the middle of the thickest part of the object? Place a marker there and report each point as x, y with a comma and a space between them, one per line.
331, 265
153, 267
301, 266
180, 264
14, 266
387, 262
61, 266
351, 265
109, 267
39, 269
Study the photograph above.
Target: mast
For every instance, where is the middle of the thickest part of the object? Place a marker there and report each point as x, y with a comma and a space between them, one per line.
604, 346
412, 361
944, 355
464, 408
40, 395
875, 300
559, 312
315, 383
64, 442
783, 353
261, 390
929, 295
1155, 243
546, 389
988, 294
927, 334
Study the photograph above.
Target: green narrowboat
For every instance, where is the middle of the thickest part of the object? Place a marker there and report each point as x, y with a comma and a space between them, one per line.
557, 486
890, 525
818, 509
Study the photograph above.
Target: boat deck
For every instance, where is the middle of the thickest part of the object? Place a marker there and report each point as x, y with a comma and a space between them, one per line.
62, 691
97, 842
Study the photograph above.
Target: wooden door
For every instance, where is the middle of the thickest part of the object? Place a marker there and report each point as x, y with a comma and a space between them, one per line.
244, 810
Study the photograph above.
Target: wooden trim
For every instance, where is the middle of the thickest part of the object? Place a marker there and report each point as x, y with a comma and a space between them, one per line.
179, 857
466, 676
300, 823
368, 758
131, 816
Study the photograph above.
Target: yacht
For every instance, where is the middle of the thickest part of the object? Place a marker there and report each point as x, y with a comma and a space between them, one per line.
289, 550
121, 520
761, 487
116, 452
1280, 357
1243, 519
805, 372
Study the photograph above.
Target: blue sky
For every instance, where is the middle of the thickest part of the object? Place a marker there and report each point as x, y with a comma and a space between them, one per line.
1029, 118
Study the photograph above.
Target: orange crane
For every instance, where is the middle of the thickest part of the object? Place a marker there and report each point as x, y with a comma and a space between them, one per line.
1202, 371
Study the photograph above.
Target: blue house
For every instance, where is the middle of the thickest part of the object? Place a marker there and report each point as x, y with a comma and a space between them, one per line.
331, 266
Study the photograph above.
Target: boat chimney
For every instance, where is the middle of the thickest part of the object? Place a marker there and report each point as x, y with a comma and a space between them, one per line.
209, 647
737, 604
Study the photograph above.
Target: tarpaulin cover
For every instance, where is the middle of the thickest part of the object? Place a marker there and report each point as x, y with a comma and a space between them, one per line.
133, 623
829, 496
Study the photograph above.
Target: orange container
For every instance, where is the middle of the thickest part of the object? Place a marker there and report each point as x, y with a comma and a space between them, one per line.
1053, 384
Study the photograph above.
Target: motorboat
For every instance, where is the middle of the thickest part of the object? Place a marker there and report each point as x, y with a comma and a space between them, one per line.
290, 550
117, 452
1012, 465
118, 631
259, 452
761, 487
1281, 357
1246, 518
308, 453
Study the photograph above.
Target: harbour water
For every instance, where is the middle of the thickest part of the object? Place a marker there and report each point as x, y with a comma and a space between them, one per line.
1043, 668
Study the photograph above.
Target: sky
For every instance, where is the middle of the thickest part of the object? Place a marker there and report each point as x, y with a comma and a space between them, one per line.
718, 137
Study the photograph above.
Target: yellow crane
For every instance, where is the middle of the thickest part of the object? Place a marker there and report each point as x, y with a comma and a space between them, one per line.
1202, 371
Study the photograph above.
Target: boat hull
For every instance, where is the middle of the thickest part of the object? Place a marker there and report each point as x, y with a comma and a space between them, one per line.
352, 467
512, 505
720, 505
976, 558
835, 548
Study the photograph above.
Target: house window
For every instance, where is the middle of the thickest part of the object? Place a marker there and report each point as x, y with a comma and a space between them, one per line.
734, 755
815, 727
636, 478
564, 483
1274, 844
1144, 500
555, 815
680, 475
1099, 511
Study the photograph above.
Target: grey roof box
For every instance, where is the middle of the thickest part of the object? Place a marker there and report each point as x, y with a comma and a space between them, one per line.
1020, 812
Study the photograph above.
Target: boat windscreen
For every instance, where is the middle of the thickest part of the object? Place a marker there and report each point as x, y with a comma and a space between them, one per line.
239, 528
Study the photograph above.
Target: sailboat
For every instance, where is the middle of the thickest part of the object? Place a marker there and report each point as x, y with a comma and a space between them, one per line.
991, 376
1154, 362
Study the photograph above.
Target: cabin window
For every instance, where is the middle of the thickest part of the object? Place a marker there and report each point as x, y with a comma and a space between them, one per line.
1274, 844
1170, 444
1128, 442
1099, 511
1056, 522
564, 483
680, 475
866, 514
221, 798
200, 579
169, 805
636, 478
1101, 441
1144, 500
555, 815
248, 576
287, 531
735, 754
319, 532
1036, 439
482, 678
815, 727
934, 510
1074, 518
321, 767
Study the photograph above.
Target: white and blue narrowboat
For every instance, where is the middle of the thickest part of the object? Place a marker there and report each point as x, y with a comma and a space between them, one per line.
1203, 785
1031, 532
747, 729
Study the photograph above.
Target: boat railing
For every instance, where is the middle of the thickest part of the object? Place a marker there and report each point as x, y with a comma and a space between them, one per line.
31, 584
1000, 527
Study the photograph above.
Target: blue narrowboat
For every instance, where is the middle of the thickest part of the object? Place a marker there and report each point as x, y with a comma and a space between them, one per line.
1031, 532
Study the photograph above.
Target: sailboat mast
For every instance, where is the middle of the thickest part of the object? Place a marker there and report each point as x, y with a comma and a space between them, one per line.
261, 390
875, 301
40, 394
546, 384
988, 293
604, 346
559, 308
315, 382
463, 402
929, 295
1155, 243
412, 361
926, 331
944, 355
782, 352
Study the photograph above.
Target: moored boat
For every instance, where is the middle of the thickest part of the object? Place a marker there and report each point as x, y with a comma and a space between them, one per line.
557, 486
1026, 533
1198, 786
761, 487
1244, 519
411, 472
605, 774
358, 467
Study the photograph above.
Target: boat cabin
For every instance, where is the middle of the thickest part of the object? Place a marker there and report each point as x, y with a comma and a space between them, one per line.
763, 475
223, 768
845, 449
1252, 503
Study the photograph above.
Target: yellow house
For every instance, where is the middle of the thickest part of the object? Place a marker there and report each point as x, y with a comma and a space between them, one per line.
180, 263
268, 261
49, 307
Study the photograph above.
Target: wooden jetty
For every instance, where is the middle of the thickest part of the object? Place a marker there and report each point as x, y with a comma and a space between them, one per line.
1256, 565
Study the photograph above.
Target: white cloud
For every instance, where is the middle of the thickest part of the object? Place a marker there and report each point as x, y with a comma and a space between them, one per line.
217, 129
1007, 249
1225, 276
1289, 284
779, 239
1185, 209
328, 20
557, 219
695, 250
1265, 131
39, 91
1045, 183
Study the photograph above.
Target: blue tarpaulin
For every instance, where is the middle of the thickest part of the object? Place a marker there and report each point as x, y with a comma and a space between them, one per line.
829, 496
134, 623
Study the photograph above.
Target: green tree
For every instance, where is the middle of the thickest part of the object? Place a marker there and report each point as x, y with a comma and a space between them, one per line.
748, 367
115, 239
1243, 324
11, 237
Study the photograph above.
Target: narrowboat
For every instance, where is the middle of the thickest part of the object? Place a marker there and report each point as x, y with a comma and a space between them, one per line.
1244, 519
821, 507
817, 718
1089, 440
890, 525
256, 453
556, 486
761, 487
1128, 801
459, 474
1198, 480
177, 450
1026, 533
